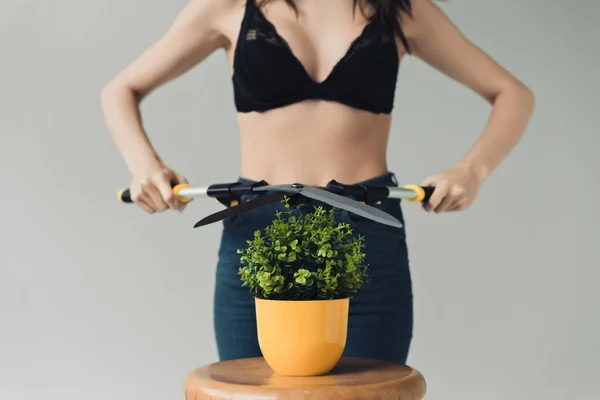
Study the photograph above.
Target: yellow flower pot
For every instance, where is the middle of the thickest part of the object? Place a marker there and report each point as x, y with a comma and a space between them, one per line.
302, 337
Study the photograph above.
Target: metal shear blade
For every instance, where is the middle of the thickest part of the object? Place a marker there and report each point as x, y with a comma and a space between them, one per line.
337, 201
239, 209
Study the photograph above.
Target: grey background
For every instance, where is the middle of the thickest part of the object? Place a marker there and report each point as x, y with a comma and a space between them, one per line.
99, 300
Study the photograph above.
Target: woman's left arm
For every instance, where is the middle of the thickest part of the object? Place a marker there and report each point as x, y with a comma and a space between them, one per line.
433, 38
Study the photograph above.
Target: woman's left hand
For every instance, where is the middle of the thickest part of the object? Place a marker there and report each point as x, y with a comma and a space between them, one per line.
455, 189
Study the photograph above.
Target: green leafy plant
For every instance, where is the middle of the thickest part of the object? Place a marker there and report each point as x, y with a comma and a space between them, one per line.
304, 256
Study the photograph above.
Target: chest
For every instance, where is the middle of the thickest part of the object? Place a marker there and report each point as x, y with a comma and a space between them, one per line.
323, 53
319, 34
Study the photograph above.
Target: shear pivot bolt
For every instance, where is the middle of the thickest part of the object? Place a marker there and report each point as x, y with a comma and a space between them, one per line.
296, 185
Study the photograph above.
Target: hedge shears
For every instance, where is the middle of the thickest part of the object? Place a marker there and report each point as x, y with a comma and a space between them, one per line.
355, 198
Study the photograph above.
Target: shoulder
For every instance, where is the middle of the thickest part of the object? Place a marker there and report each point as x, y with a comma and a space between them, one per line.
215, 5
428, 28
210, 11
424, 15
208, 20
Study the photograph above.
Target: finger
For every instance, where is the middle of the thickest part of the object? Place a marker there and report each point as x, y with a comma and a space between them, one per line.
166, 192
430, 180
155, 197
440, 192
458, 207
180, 179
446, 203
426, 183
143, 201
145, 206
464, 202
456, 195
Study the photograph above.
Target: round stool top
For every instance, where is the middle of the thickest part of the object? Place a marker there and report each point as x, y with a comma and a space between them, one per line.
352, 378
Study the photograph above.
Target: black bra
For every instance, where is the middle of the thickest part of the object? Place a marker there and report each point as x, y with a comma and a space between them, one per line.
268, 75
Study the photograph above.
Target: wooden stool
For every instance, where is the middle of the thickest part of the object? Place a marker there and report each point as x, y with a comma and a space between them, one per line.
351, 379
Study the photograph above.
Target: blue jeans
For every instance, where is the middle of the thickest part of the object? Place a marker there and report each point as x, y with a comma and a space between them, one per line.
381, 314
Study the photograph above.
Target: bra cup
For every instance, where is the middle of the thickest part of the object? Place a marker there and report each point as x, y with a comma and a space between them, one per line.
373, 78
268, 75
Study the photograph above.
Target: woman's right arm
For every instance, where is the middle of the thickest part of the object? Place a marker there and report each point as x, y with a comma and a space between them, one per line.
193, 36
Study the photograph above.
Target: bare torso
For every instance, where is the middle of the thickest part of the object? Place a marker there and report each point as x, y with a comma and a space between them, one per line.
313, 141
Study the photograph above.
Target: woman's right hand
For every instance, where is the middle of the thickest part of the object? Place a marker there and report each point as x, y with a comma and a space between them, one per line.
152, 189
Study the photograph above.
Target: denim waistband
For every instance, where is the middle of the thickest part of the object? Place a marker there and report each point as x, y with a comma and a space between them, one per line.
385, 179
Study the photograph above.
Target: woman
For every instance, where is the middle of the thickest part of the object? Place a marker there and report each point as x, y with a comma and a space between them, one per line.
314, 88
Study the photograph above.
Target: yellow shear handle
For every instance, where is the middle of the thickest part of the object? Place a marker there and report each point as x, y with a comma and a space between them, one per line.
176, 190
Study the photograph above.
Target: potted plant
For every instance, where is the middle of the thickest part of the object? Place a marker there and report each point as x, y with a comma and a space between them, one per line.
303, 269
